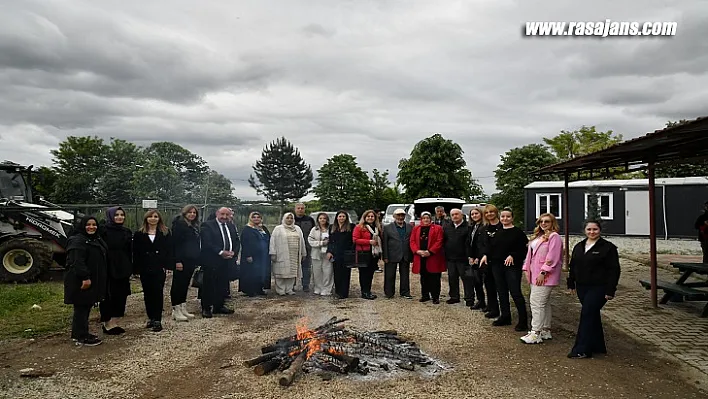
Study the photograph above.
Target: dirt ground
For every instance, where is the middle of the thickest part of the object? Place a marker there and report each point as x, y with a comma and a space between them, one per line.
185, 360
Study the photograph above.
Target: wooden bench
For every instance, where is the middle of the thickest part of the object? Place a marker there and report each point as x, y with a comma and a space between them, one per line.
683, 291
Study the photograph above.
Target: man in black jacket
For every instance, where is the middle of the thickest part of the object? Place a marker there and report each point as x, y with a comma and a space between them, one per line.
220, 244
306, 223
702, 226
397, 255
456, 235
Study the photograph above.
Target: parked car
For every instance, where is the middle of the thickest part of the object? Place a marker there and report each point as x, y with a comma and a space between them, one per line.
388, 217
353, 217
429, 204
466, 208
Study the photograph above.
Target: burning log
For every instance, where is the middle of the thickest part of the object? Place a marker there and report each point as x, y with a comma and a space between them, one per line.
332, 348
296, 367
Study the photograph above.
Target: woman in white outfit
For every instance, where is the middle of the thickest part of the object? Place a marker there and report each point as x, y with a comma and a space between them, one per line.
322, 269
287, 251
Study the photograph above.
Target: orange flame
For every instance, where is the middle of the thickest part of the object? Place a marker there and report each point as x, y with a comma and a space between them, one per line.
312, 343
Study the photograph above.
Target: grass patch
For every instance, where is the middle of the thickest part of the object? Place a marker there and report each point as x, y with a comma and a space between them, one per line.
19, 320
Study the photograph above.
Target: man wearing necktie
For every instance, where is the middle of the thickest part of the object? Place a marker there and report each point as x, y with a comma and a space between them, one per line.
220, 245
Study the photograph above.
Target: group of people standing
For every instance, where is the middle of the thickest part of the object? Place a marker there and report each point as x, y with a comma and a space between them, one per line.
487, 253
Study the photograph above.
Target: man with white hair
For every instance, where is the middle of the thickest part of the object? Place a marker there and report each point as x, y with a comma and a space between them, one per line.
455, 237
220, 244
397, 255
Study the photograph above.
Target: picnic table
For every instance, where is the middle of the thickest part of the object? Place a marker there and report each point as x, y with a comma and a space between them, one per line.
680, 290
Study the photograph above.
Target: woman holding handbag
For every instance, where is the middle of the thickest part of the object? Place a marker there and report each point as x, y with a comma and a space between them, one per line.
428, 257
367, 237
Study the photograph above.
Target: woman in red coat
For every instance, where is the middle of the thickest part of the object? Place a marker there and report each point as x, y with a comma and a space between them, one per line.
428, 257
367, 237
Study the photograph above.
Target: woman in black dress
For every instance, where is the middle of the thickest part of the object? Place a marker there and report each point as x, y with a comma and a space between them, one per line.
340, 240
594, 273
119, 240
504, 250
187, 247
152, 256
85, 279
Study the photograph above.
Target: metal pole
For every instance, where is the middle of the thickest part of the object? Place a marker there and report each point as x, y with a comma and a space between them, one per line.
652, 234
566, 222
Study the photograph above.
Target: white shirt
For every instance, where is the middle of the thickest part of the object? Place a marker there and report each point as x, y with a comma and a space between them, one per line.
225, 239
589, 245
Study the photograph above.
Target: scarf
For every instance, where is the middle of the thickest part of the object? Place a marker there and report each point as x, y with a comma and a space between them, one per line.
290, 227
375, 250
250, 223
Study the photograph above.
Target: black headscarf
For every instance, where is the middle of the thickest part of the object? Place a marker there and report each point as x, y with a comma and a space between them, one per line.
81, 227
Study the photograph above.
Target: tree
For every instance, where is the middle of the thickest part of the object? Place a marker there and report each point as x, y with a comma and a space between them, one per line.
44, 181
342, 184
694, 168
379, 183
514, 172
281, 173
157, 179
593, 207
79, 162
190, 168
393, 195
115, 186
586, 140
436, 168
217, 189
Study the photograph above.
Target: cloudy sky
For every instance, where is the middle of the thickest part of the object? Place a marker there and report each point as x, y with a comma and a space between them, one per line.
365, 77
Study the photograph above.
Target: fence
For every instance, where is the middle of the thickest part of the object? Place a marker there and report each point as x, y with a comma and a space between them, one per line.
134, 213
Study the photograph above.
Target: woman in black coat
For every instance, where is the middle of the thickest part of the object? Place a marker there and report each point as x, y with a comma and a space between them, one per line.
594, 272
187, 248
152, 256
85, 279
255, 258
478, 275
340, 240
119, 240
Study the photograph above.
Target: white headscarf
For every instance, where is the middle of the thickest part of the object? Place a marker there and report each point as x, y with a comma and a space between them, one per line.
288, 226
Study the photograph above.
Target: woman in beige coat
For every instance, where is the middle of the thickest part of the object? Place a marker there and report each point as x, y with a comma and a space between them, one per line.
287, 251
322, 269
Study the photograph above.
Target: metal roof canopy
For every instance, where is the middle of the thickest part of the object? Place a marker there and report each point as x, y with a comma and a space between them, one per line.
678, 144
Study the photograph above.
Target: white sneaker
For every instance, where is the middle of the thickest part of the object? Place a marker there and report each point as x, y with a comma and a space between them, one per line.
183, 308
532, 338
177, 314
546, 335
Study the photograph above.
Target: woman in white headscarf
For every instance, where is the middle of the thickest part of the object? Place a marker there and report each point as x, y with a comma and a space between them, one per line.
287, 251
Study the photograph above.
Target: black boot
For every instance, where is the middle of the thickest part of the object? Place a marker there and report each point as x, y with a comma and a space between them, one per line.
523, 324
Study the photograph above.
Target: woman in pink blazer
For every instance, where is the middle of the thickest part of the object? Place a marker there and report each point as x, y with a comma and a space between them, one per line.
543, 267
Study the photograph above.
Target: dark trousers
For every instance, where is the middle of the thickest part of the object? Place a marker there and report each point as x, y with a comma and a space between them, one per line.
590, 338
80, 321
366, 275
216, 285
704, 247
116, 297
508, 281
153, 282
491, 287
455, 273
478, 285
342, 279
429, 283
181, 281
306, 270
404, 269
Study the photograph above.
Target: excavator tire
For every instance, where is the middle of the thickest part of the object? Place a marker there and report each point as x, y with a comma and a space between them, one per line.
23, 260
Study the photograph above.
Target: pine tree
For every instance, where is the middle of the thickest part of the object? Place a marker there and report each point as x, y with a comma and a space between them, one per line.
281, 173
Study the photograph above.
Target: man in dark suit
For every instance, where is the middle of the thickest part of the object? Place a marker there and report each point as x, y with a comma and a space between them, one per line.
397, 255
220, 244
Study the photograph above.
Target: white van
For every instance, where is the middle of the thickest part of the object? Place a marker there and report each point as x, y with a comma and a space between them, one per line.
429, 204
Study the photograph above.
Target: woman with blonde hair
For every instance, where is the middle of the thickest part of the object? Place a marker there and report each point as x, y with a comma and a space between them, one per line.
287, 251
543, 269
152, 256
367, 237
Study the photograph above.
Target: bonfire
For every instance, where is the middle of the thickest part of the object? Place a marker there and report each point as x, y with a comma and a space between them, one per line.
332, 349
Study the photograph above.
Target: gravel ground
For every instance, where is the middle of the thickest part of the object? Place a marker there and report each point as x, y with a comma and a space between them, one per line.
184, 360
632, 245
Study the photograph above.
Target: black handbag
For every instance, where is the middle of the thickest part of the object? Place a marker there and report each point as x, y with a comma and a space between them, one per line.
354, 259
198, 277
474, 274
